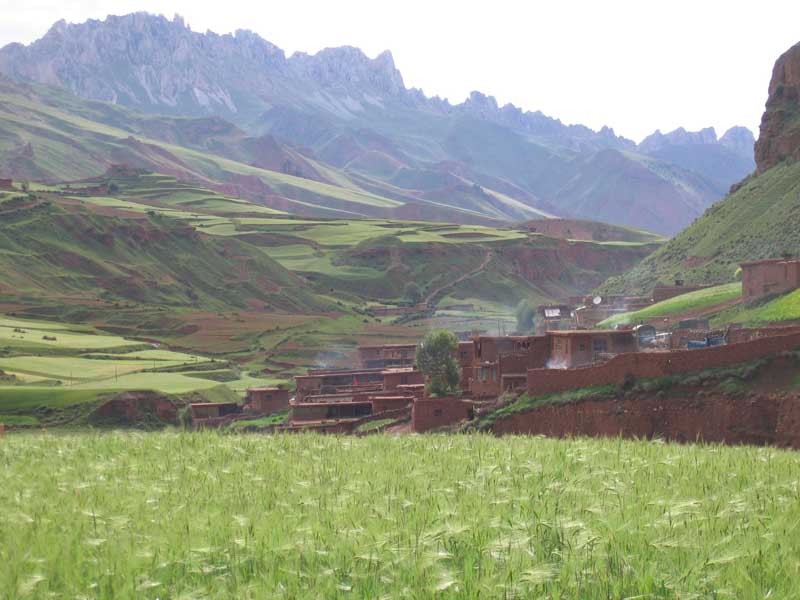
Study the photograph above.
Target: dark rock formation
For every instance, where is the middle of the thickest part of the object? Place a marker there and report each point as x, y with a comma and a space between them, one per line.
780, 126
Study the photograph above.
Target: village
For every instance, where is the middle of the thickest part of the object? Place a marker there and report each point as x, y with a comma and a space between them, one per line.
566, 352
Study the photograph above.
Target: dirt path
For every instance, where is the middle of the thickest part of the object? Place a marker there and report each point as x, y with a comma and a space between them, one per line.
430, 299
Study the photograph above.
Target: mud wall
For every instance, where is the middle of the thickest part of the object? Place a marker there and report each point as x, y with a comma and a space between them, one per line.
758, 420
438, 412
656, 364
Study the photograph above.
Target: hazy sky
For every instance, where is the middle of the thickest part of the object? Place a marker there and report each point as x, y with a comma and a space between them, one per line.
633, 65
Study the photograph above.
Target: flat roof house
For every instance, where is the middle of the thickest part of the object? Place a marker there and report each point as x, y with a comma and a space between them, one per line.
570, 349
762, 278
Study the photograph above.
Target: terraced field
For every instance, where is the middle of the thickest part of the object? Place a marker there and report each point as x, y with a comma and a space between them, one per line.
79, 365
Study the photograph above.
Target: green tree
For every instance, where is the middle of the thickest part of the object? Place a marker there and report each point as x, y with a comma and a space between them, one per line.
525, 314
436, 360
413, 293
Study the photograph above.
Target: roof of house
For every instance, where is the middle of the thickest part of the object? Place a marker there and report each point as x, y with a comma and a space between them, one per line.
578, 332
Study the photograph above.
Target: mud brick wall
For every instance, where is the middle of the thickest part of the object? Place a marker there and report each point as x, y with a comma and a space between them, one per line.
389, 403
267, 400
665, 292
736, 336
657, 364
393, 379
438, 412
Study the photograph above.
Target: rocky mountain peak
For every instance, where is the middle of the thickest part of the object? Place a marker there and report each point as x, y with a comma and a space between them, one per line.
739, 140
349, 67
679, 137
779, 139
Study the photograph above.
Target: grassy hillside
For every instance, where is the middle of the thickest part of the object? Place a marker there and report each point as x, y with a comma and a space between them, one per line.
783, 308
595, 231
54, 250
679, 305
147, 257
47, 134
760, 220
179, 515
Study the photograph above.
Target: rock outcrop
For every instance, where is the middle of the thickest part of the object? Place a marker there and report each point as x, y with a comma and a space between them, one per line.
780, 126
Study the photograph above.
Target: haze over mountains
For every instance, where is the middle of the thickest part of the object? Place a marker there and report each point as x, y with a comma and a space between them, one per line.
342, 119
759, 220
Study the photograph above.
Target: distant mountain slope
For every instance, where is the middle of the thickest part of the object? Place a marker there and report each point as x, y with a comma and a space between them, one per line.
721, 161
593, 231
338, 110
761, 219
47, 134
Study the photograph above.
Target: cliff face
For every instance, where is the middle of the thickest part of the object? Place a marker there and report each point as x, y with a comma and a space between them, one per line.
780, 126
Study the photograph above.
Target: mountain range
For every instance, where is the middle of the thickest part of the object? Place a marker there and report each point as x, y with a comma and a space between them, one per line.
339, 119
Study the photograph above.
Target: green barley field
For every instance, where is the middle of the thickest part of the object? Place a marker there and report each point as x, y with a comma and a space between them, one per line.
178, 515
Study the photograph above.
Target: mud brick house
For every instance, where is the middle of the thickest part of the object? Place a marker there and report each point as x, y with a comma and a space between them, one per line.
394, 378
432, 413
6, 184
500, 363
322, 382
318, 412
553, 317
210, 414
388, 355
671, 362
266, 400
570, 349
763, 278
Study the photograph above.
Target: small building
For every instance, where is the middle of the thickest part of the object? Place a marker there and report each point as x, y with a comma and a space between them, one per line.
553, 317
212, 414
266, 400
212, 410
432, 413
500, 362
764, 278
320, 412
322, 382
569, 349
394, 378
387, 355
6, 184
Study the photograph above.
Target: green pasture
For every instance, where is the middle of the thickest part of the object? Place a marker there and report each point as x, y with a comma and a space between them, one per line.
692, 301
782, 308
166, 515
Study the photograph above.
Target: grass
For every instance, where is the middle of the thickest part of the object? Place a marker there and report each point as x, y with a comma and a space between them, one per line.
760, 220
202, 515
692, 301
373, 425
783, 308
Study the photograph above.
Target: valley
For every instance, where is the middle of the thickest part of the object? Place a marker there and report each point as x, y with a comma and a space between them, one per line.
280, 325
